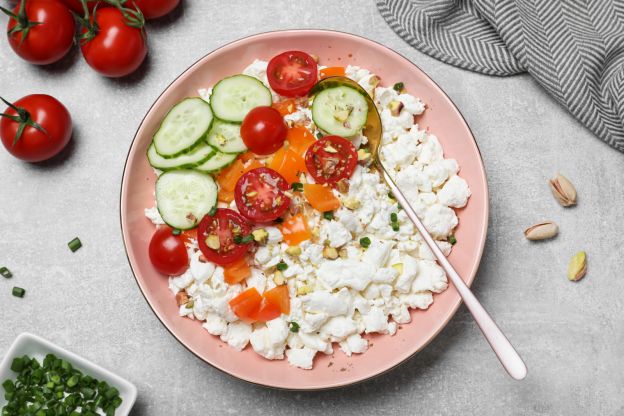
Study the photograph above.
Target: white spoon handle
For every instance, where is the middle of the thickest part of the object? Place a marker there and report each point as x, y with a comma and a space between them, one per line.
507, 355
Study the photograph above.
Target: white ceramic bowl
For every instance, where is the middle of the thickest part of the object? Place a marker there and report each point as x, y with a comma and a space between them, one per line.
37, 347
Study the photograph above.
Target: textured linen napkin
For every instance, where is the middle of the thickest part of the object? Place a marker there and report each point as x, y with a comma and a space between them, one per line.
573, 48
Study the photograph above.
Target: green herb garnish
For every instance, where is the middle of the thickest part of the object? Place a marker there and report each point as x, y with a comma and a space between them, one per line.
328, 215
394, 217
294, 327
395, 226
281, 266
6, 273
243, 239
319, 135
18, 292
297, 186
74, 244
55, 387
398, 87
365, 242
176, 231
452, 240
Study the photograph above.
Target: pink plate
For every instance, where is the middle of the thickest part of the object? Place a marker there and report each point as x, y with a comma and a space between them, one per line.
334, 49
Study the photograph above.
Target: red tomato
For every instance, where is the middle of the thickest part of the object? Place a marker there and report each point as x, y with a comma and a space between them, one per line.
331, 159
246, 304
263, 130
168, 253
216, 236
116, 45
292, 73
48, 127
41, 31
76, 5
153, 9
260, 196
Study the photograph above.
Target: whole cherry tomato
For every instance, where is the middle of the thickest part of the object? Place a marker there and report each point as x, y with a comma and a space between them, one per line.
263, 130
76, 5
35, 127
113, 41
40, 31
167, 252
153, 9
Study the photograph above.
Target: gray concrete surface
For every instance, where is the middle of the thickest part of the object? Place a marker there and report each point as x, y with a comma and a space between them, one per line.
570, 334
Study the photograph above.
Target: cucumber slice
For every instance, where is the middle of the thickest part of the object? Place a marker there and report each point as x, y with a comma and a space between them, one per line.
340, 110
183, 197
183, 128
226, 137
233, 97
186, 161
217, 162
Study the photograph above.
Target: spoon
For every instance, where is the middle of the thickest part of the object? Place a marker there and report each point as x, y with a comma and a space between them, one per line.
507, 355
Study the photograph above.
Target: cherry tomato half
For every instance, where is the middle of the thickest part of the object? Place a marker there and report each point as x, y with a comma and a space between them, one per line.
263, 130
118, 46
217, 236
292, 73
34, 144
260, 196
331, 159
47, 40
168, 253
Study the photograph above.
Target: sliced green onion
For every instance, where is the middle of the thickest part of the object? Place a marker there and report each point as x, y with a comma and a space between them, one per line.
18, 292
328, 215
395, 226
319, 135
452, 240
74, 244
6, 273
394, 217
247, 239
238, 239
212, 211
297, 186
281, 266
294, 327
398, 87
365, 242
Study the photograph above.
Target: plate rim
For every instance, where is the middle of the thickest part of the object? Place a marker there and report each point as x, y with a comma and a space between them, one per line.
471, 277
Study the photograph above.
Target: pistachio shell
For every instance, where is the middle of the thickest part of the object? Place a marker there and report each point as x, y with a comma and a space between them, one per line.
577, 267
563, 190
541, 231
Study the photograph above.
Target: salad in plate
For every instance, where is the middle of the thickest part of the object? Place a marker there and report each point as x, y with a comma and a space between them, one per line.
272, 225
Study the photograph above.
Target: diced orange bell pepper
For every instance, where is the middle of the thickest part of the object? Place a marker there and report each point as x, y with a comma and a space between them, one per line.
247, 156
320, 197
236, 272
299, 139
279, 296
225, 196
228, 177
246, 304
286, 107
295, 230
332, 71
266, 312
189, 235
288, 163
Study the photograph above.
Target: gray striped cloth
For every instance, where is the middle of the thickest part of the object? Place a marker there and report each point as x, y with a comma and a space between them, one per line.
573, 48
